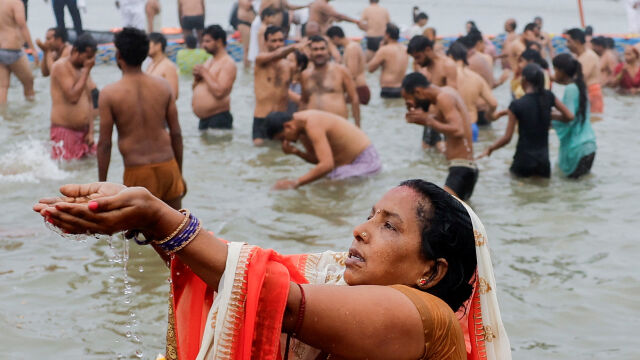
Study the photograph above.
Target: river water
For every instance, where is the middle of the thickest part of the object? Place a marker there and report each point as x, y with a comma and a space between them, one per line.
563, 251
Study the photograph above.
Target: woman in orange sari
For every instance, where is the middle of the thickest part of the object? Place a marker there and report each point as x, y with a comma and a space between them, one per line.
417, 282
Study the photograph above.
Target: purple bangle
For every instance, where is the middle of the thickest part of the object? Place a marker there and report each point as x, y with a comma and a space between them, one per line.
185, 236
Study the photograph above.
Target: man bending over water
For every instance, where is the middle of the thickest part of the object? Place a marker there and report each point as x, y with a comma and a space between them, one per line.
451, 119
326, 85
213, 81
13, 34
141, 106
71, 102
339, 149
393, 59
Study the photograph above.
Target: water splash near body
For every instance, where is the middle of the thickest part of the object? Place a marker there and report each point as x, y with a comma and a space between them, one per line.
30, 161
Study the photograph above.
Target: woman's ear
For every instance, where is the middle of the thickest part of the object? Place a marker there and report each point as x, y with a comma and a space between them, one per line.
434, 274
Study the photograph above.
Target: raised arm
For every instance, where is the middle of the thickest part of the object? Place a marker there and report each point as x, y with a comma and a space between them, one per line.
328, 10
106, 129
72, 90
267, 57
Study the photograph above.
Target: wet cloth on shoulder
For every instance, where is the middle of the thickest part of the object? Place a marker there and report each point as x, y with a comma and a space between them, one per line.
70, 144
163, 179
367, 163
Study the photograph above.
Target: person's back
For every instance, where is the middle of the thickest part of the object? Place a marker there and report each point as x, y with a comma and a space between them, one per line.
533, 112
395, 65
346, 140
10, 37
377, 19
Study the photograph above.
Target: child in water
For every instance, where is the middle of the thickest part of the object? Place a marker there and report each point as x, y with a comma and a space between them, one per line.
532, 113
577, 139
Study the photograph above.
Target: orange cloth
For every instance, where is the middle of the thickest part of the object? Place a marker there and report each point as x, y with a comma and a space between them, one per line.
595, 98
438, 321
163, 180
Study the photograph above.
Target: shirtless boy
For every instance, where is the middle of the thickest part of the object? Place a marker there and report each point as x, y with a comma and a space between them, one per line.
213, 81
324, 14
374, 21
393, 59
13, 34
338, 149
576, 40
71, 103
326, 85
441, 71
450, 118
161, 65
191, 15
353, 59
141, 106
273, 74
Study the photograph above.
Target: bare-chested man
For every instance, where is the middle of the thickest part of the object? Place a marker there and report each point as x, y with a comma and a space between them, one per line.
13, 34
479, 61
441, 71
544, 39
152, 10
71, 107
313, 29
191, 15
282, 8
161, 65
273, 74
213, 81
394, 60
515, 48
338, 149
54, 47
450, 117
324, 14
608, 59
246, 14
473, 89
510, 26
353, 59
141, 106
374, 21
590, 62
326, 85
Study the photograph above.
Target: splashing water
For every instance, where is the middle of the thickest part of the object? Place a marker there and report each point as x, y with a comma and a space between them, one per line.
30, 161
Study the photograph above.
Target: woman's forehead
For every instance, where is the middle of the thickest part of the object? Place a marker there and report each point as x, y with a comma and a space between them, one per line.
398, 200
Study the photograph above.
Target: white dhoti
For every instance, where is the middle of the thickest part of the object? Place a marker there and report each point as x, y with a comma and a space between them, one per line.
254, 45
633, 15
133, 14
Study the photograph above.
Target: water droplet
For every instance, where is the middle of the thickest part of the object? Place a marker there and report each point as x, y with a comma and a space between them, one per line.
132, 314
128, 334
141, 269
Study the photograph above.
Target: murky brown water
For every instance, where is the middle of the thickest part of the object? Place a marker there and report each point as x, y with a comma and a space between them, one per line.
563, 251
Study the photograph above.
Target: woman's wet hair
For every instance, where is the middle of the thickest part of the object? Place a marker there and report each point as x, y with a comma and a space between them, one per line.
458, 52
274, 123
446, 232
573, 69
133, 45
533, 74
534, 56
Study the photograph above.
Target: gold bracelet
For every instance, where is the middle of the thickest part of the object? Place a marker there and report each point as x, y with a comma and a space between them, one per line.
184, 221
195, 234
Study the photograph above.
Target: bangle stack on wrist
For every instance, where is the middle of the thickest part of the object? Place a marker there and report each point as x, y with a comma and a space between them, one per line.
188, 230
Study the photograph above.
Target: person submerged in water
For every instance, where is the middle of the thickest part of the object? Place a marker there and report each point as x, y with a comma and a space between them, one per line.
142, 106
339, 149
392, 57
532, 114
450, 117
577, 139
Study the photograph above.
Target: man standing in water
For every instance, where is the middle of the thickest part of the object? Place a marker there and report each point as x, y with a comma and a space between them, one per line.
324, 14
510, 35
608, 59
273, 74
451, 119
544, 39
13, 34
54, 47
354, 60
374, 21
141, 106
191, 15
590, 62
441, 70
161, 65
338, 149
393, 59
514, 49
213, 82
71, 103
326, 85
